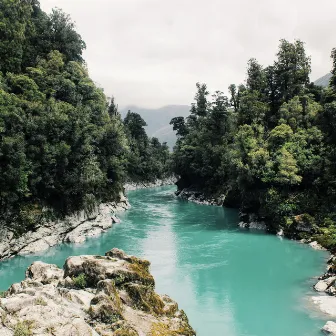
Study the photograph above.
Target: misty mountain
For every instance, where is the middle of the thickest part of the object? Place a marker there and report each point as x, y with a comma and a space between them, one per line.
158, 120
323, 81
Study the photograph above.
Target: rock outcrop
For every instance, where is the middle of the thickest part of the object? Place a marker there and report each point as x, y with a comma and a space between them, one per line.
93, 295
72, 229
196, 196
326, 286
143, 185
251, 221
329, 328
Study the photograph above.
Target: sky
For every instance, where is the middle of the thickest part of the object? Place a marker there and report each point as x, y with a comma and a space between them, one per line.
150, 53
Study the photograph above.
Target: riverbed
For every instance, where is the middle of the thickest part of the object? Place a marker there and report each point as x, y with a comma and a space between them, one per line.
229, 281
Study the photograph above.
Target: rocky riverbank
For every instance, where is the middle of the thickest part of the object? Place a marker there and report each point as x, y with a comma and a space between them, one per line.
247, 221
157, 183
91, 295
326, 286
73, 229
196, 196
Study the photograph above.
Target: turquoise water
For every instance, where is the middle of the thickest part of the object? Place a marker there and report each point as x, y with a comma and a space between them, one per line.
229, 282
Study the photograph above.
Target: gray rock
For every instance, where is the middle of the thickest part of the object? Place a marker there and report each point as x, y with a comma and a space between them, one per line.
331, 291
329, 328
102, 306
44, 273
316, 246
73, 229
327, 304
280, 233
321, 286
158, 183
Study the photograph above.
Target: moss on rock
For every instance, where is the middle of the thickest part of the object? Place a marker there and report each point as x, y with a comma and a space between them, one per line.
144, 298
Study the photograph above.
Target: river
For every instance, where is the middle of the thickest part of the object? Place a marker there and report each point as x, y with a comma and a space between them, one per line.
230, 282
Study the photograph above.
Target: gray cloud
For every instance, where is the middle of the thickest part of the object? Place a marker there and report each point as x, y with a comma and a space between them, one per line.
152, 52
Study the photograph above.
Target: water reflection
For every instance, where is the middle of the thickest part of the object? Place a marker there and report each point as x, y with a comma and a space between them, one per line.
228, 281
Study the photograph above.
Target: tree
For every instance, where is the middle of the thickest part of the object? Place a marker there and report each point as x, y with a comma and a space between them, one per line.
179, 126
14, 18
113, 108
64, 37
286, 169
256, 78
200, 109
292, 69
270, 148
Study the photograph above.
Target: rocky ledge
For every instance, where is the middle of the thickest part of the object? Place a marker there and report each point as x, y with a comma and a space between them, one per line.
247, 220
143, 185
326, 286
93, 295
73, 229
196, 196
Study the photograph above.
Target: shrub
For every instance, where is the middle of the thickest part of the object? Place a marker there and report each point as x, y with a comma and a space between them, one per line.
40, 301
23, 329
80, 281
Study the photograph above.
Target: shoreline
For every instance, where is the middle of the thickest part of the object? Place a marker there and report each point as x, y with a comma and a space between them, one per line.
325, 298
103, 217
129, 186
74, 228
110, 294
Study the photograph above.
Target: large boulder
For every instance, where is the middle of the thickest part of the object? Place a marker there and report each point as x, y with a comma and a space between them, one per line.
44, 273
329, 328
94, 295
323, 285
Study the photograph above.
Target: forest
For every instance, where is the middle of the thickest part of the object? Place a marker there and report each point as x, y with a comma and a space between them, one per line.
63, 146
268, 147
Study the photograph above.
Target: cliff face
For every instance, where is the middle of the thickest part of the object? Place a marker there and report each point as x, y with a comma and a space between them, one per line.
93, 295
72, 229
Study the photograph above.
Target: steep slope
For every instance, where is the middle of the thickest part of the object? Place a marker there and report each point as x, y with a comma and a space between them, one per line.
323, 81
158, 120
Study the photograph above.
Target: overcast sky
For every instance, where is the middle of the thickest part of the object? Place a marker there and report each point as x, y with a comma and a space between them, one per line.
152, 52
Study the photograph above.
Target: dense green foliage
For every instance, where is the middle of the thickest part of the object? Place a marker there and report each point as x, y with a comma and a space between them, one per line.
270, 147
63, 148
147, 157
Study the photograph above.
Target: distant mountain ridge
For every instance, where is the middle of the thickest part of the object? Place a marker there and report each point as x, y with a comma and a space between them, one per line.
324, 80
158, 120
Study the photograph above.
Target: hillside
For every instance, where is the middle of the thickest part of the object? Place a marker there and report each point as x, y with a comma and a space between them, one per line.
323, 81
158, 120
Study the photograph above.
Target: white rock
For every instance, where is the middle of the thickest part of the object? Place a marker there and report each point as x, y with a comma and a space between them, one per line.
315, 245
74, 229
331, 291
257, 225
280, 233
134, 186
35, 247
327, 304
115, 219
329, 328
321, 286
44, 273
4, 331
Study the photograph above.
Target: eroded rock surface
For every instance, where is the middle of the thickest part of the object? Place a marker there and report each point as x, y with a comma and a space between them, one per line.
73, 229
329, 328
93, 295
143, 185
327, 285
